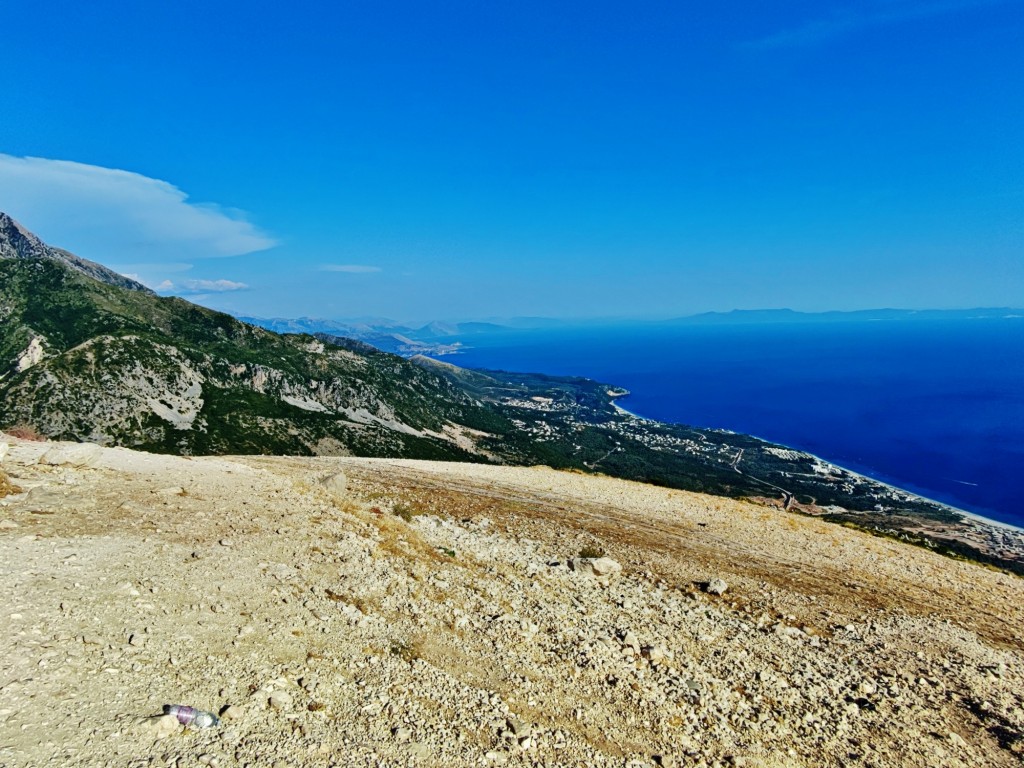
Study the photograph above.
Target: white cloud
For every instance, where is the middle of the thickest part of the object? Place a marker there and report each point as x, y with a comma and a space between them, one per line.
200, 286
116, 217
218, 286
352, 268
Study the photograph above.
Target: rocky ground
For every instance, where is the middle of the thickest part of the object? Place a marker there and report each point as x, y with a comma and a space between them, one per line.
396, 613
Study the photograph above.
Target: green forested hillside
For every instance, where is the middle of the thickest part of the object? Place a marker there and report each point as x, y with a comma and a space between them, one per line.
83, 359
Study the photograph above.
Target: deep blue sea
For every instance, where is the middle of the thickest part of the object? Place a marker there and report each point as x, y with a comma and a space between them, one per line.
935, 407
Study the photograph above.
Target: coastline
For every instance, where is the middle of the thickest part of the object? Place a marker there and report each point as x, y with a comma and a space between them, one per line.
963, 512
969, 516
625, 412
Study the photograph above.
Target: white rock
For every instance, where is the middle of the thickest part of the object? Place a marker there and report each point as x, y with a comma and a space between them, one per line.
164, 726
605, 566
601, 568
281, 700
956, 739
72, 454
519, 728
336, 484
653, 654
717, 587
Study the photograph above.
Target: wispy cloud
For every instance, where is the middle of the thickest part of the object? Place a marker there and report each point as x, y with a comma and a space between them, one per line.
352, 268
188, 287
120, 217
847, 20
217, 286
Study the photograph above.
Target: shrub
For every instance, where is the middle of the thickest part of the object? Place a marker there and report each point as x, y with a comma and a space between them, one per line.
591, 552
407, 651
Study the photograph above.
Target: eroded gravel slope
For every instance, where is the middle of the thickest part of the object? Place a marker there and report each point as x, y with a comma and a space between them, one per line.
416, 613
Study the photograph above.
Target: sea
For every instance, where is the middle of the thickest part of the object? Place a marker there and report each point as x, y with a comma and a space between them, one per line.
935, 407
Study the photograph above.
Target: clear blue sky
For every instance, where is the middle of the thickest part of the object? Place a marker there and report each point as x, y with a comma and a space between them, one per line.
476, 159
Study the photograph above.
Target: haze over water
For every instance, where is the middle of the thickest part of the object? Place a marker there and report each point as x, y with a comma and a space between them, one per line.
934, 407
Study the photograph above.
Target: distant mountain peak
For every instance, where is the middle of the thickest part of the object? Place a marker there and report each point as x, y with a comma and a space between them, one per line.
17, 242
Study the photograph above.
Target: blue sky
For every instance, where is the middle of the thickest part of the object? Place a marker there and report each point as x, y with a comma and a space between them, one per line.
468, 160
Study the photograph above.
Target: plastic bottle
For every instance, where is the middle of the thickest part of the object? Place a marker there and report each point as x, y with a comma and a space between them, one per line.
191, 717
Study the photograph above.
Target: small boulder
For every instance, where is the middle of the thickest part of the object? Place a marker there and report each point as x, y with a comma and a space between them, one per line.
164, 726
716, 587
72, 454
604, 569
653, 654
519, 728
605, 566
281, 700
336, 484
232, 712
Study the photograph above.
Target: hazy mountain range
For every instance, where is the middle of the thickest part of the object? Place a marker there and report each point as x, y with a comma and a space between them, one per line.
438, 338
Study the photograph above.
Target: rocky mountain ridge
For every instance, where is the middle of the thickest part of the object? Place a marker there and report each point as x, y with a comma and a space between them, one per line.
16, 242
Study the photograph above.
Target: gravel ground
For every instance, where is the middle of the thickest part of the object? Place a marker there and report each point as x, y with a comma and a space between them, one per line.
359, 612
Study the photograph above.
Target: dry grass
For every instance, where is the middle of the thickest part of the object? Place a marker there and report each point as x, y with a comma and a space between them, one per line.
7, 488
398, 539
25, 432
745, 542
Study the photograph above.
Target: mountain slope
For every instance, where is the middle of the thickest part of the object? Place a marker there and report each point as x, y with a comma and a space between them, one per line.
410, 613
85, 356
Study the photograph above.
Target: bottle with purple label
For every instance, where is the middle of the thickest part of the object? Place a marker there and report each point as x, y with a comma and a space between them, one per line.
191, 717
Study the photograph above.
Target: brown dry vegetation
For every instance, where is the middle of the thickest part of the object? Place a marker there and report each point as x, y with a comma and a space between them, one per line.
6, 487
848, 571
25, 432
